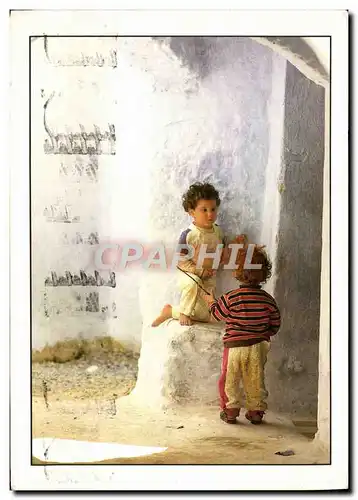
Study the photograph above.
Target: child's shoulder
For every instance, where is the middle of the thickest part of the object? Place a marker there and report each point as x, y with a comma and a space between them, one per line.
186, 231
242, 290
184, 235
218, 230
235, 292
269, 297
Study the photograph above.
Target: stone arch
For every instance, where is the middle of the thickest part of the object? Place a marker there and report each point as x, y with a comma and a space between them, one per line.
309, 55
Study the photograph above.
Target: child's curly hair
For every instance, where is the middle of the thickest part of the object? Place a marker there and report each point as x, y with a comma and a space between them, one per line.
253, 276
199, 191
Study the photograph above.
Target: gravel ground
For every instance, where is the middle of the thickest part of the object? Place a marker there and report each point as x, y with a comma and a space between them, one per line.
99, 376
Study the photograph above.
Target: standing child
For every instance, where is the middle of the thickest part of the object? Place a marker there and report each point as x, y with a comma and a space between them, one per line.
252, 318
201, 201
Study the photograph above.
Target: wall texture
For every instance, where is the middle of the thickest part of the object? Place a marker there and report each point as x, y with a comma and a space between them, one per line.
293, 371
324, 381
183, 109
224, 110
73, 146
199, 70
212, 126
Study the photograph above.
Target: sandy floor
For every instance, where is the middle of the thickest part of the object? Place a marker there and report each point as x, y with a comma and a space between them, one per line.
101, 377
70, 402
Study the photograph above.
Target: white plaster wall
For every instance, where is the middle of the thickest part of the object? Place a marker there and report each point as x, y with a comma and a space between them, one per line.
274, 181
210, 124
81, 95
324, 385
310, 55
186, 368
180, 116
292, 373
321, 49
46, 185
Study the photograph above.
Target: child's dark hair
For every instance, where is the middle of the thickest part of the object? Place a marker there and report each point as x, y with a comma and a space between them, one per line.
199, 191
253, 276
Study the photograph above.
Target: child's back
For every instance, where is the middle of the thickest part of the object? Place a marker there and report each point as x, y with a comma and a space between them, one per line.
250, 314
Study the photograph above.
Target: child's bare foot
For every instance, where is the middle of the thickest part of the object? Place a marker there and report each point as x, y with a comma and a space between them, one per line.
166, 313
185, 320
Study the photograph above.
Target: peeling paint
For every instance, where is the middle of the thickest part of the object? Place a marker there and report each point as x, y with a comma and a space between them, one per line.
60, 213
83, 58
82, 280
92, 302
80, 239
80, 169
82, 143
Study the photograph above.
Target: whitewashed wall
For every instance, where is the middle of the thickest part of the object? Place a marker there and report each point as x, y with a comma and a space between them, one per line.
69, 191
184, 109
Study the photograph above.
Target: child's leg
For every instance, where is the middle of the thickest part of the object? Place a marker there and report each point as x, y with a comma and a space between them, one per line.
253, 373
166, 313
192, 306
222, 394
200, 311
189, 294
229, 385
183, 312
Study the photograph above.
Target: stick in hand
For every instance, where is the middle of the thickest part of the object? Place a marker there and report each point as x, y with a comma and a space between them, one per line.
207, 293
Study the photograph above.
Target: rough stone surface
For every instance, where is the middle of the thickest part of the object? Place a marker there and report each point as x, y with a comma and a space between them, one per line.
324, 383
179, 365
293, 373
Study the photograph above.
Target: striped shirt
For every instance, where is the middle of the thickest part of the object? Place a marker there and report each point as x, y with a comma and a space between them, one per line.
251, 315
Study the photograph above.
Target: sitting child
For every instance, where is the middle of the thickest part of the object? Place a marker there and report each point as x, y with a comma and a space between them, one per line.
252, 317
201, 201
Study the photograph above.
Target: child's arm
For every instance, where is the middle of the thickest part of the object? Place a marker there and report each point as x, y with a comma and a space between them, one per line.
275, 319
219, 308
189, 265
228, 240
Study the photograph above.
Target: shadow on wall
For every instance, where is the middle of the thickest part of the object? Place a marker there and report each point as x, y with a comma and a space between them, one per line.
226, 139
193, 51
293, 371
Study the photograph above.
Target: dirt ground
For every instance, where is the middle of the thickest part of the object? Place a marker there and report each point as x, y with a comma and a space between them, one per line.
87, 399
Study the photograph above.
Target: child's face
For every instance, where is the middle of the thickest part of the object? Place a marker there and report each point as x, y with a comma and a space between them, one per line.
205, 213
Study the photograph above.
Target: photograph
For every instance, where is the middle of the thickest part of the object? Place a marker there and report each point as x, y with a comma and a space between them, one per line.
174, 235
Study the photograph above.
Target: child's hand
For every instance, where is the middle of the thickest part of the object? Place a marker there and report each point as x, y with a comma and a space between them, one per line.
241, 239
225, 256
208, 273
209, 299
